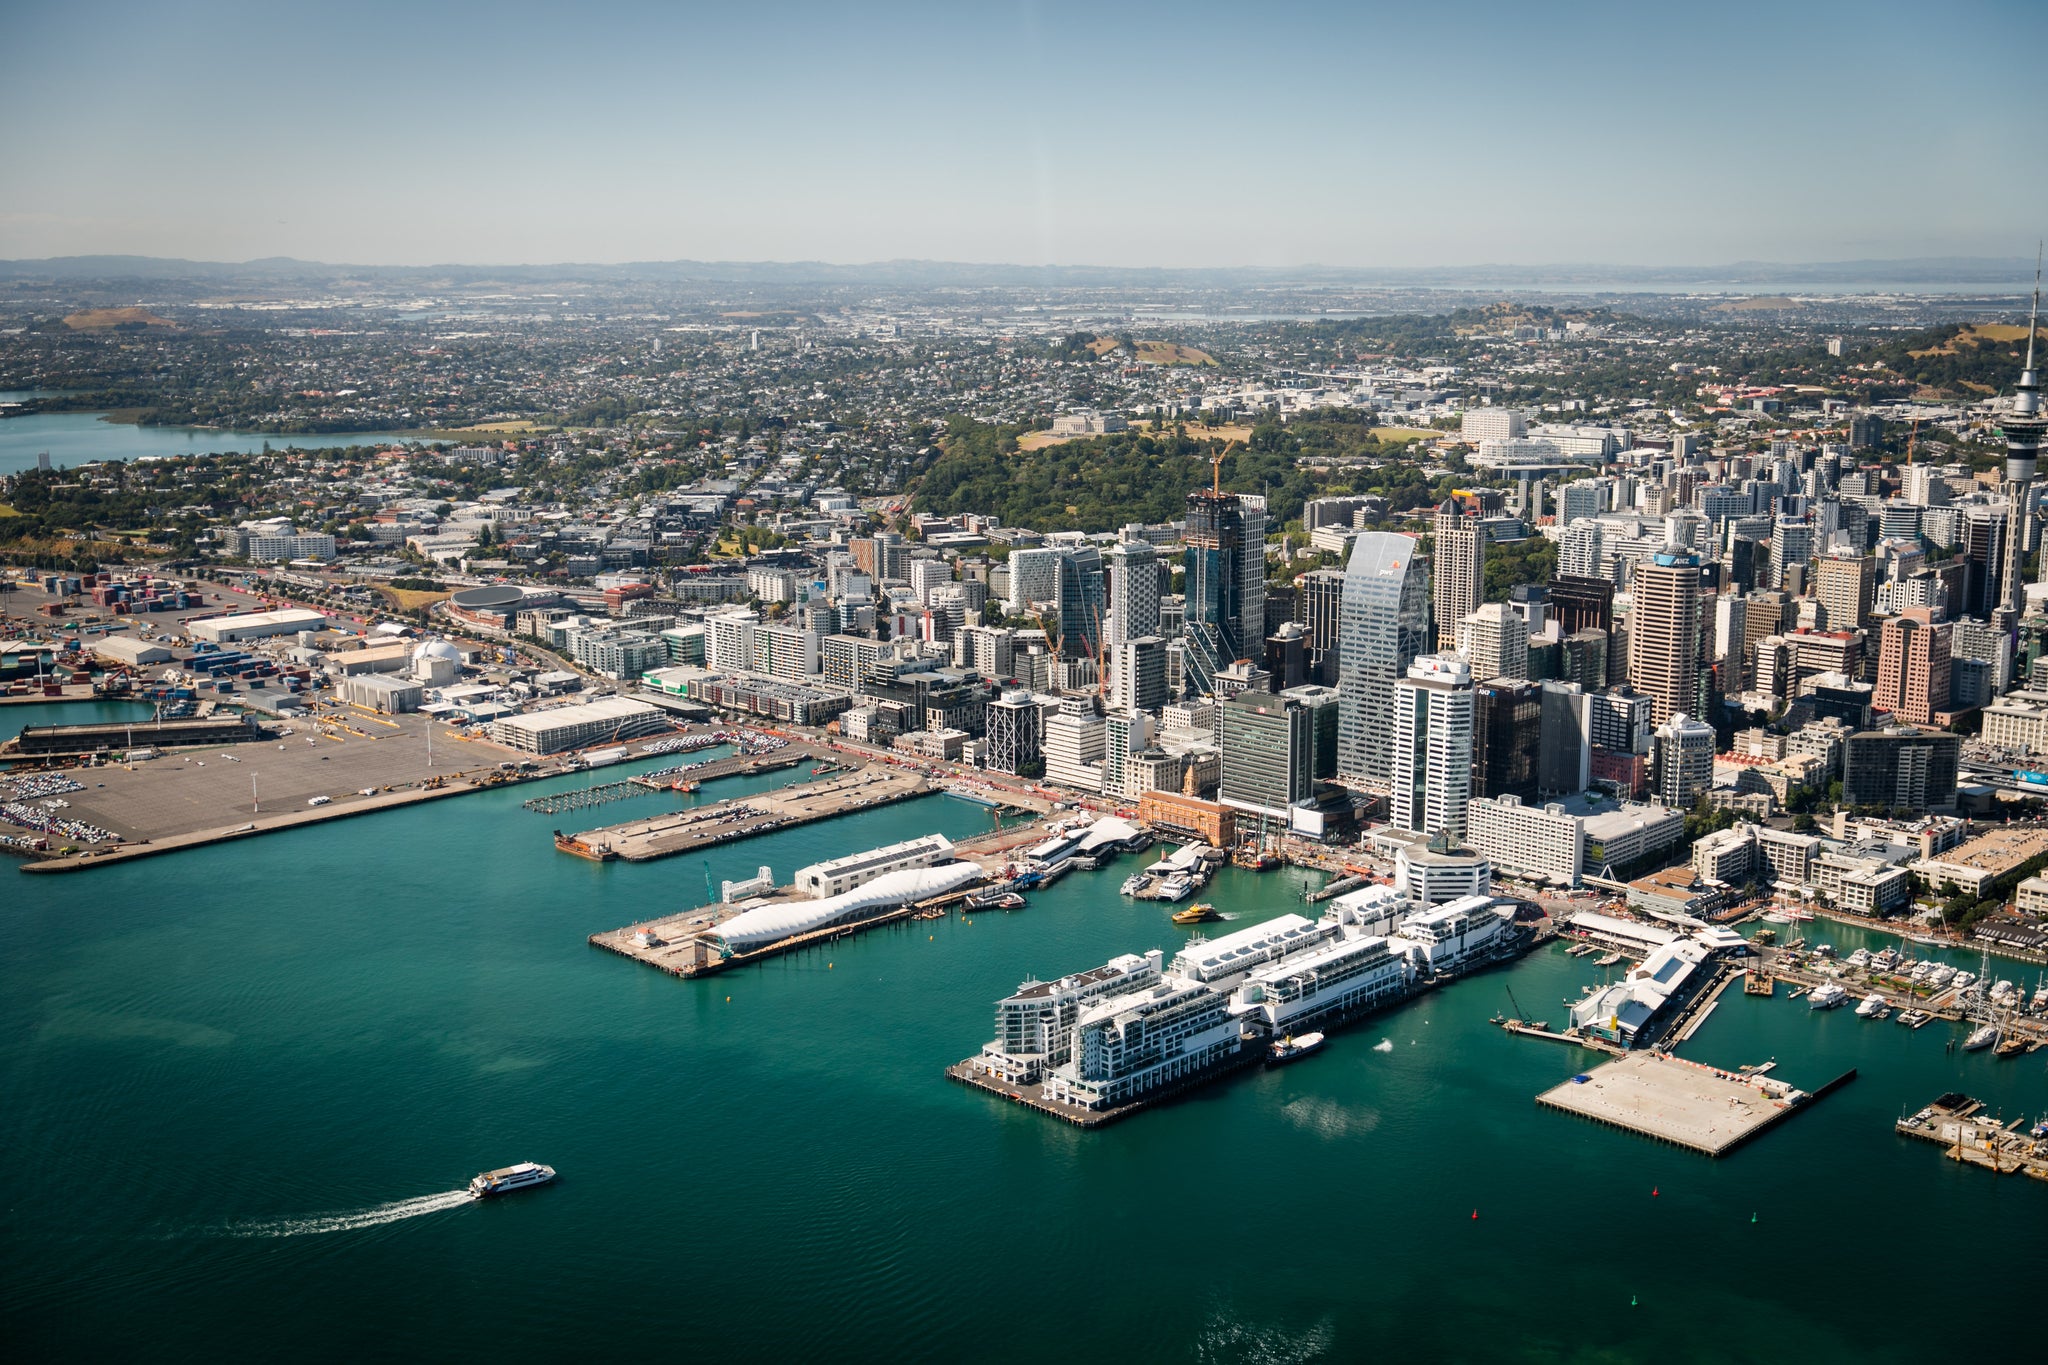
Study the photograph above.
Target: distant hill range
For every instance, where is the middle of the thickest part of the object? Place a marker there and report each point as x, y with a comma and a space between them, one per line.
1935, 273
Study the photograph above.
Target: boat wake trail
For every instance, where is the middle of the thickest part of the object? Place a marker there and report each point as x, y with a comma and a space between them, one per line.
351, 1221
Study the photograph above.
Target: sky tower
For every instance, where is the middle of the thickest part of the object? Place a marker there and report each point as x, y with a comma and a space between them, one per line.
2022, 430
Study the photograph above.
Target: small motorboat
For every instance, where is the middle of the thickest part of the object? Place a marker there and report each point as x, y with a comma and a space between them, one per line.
1292, 1049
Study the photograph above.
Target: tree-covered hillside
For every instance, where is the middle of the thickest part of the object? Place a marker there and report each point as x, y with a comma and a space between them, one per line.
1101, 483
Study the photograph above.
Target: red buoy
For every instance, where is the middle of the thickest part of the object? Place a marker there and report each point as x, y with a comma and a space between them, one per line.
1475, 1213
1653, 1191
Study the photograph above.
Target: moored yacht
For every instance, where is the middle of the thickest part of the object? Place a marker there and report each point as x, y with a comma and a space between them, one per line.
1981, 1039
1826, 996
1872, 1003
509, 1179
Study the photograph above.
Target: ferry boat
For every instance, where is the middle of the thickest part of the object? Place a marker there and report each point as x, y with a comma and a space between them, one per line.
1872, 1003
1175, 888
510, 1179
1826, 996
1981, 1039
1201, 912
1292, 1049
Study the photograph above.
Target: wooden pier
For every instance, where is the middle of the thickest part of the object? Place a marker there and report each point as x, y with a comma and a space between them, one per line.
1955, 1122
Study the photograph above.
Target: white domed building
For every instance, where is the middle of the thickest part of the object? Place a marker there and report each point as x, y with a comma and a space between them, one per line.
436, 663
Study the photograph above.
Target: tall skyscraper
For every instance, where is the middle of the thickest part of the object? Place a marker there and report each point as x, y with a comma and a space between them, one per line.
2023, 429
1459, 565
1133, 591
1684, 750
1214, 623
1664, 634
1138, 677
1913, 666
1384, 624
1251, 591
1080, 602
1275, 748
1578, 603
1581, 499
1564, 760
1432, 747
1507, 737
1846, 587
1495, 641
1580, 550
1318, 604
1984, 555
1791, 547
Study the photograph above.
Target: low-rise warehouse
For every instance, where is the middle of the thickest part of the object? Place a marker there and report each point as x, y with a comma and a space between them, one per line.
607, 720
127, 649
857, 869
393, 696
261, 625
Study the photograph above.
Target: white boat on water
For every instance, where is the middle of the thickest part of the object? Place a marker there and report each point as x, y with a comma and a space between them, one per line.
1981, 1039
1941, 976
1860, 958
1872, 1003
1775, 916
1175, 888
1826, 996
1292, 1048
1886, 960
1964, 980
1136, 883
510, 1179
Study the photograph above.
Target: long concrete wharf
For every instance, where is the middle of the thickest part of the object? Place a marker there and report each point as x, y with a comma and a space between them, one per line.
1701, 1108
663, 836
737, 765
681, 944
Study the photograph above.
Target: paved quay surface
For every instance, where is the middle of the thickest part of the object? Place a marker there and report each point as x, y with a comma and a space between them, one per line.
742, 817
186, 791
1693, 1106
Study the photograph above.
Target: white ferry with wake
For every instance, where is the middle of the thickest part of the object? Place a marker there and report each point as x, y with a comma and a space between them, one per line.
510, 1179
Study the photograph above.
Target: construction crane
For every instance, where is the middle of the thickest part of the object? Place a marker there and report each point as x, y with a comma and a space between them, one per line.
1911, 437
1216, 466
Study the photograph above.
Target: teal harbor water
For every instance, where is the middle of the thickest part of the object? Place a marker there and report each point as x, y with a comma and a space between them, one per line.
18, 716
74, 438
244, 1085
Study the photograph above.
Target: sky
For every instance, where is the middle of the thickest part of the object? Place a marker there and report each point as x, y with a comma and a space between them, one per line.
1273, 134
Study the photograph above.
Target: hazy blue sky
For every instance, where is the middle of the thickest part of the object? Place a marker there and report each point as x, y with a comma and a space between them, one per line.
1271, 134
